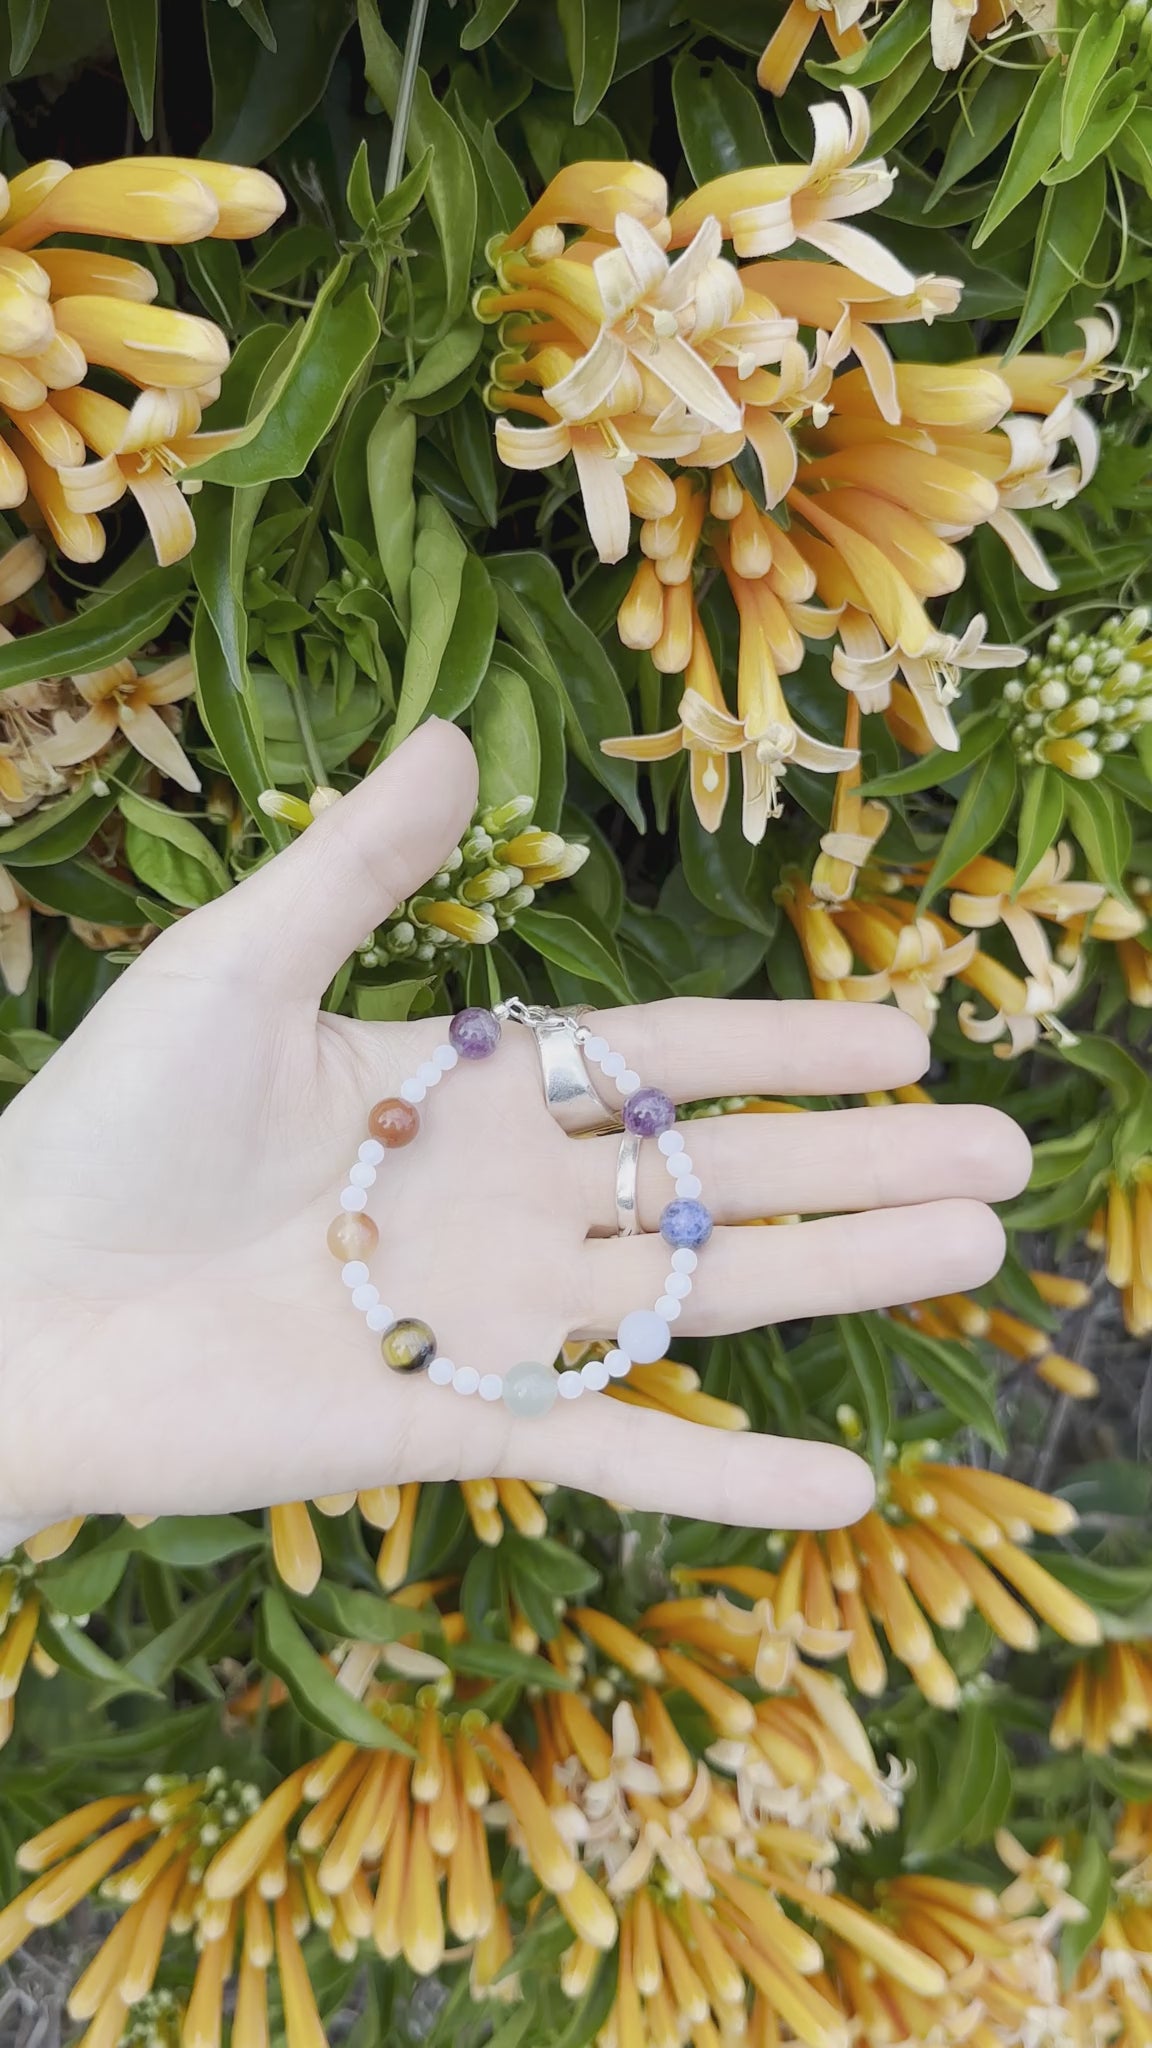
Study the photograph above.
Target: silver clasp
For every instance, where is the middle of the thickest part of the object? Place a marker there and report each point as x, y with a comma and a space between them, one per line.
539, 1018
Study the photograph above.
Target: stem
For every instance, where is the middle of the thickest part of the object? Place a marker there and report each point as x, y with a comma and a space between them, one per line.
405, 95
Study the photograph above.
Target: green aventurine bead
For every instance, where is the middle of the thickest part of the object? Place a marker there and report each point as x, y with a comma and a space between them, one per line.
529, 1389
408, 1346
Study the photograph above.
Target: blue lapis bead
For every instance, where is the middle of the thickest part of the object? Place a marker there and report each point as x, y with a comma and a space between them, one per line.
686, 1223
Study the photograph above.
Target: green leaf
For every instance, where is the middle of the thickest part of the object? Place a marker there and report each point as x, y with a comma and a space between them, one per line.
135, 30
464, 662
970, 1767
57, 831
388, 1002
506, 737
977, 737
262, 91
224, 523
232, 723
903, 29
1101, 824
390, 455
488, 17
1093, 55
189, 1540
285, 1649
452, 199
1001, 94
538, 619
983, 808
591, 31
25, 22
1112, 1064
868, 1359
81, 888
720, 123
966, 1389
1069, 225
198, 1624
308, 393
1091, 1883
75, 1651
105, 632
1108, 122
170, 854
720, 868
82, 1585
394, 209
1041, 816
1034, 150
502, 1660
569, 944
348, 1612
590, 2013
438, 562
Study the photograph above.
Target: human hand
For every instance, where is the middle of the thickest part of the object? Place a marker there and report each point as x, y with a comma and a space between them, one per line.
174, 1337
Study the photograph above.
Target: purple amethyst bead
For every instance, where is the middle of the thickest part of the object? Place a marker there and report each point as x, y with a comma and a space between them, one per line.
649, 1111
686, 1222
474, 1033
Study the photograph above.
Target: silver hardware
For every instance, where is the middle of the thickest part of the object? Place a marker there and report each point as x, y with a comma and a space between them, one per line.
627, 1164
569, 1093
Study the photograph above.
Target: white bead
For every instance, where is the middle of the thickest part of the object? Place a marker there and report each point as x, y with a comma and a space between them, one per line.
595, 1374
595, 1049
371, 1152
446, 1057
619, 1364
678, 1163
353, 1198
669, 1142
465, 1379
678, 1285
365, 1297
491, 1385
362, 1176
381, 1317
441, 1372
354, 1273
628, 1082
668, 1307
643, 1335
429, 1073
412, 1091
688, 1187
613, 1064
569, 1386
684, 1260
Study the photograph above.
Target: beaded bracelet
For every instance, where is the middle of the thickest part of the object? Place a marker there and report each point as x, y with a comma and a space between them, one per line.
407, 1344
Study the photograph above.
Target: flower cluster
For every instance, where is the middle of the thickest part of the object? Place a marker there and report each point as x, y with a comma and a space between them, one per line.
1107, 1702
952, 22
67, 309
494, 873
947, 1539
1086, 696
960, 1318
867, 477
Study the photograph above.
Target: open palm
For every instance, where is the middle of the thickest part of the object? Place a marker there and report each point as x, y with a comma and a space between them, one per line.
174, 1336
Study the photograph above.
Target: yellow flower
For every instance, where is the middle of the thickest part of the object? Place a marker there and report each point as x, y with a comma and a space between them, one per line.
857, 825
1124, 1228
64, 309
1107, 1701
593, 195
123, 702
768, 208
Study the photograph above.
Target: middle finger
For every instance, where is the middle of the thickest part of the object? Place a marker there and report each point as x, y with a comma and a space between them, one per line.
816, 1162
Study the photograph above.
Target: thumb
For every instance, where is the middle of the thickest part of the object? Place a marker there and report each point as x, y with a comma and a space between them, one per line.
295, 921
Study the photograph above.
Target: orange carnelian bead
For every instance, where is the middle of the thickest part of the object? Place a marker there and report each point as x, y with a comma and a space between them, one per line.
352, 1236
393, 1122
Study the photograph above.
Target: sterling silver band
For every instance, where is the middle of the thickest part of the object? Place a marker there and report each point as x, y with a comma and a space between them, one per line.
627, 1164
569, 1094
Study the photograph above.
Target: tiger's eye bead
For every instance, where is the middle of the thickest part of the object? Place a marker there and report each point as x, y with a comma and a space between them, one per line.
393, 1122
474, 1033
352, 1236
408, 1346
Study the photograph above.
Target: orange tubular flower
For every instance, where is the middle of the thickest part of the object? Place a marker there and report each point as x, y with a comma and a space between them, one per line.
1107, 1701
1124, 1229
920, 1563
624, 356
64, 308
492, 1505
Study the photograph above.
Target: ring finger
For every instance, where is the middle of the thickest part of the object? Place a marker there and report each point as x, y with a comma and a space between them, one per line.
813, 1163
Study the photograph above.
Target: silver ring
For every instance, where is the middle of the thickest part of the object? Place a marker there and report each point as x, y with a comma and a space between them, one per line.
627, 1164
569, 1094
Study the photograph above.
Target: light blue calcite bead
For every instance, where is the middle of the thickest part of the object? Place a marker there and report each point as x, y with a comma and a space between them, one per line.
529, 1389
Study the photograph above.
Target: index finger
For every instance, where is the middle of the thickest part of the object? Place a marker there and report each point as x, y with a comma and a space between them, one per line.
693, 1047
